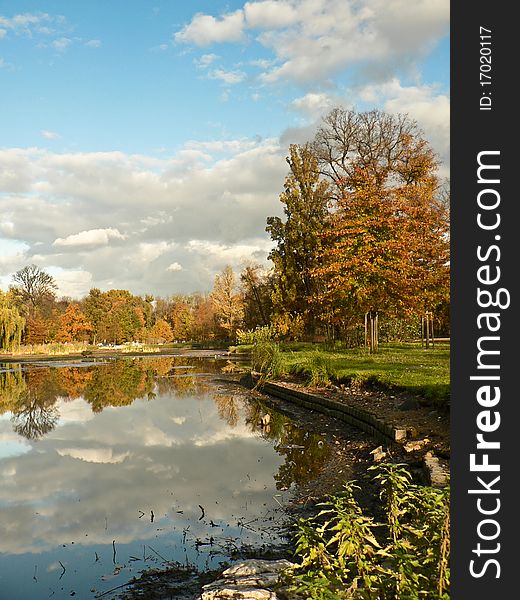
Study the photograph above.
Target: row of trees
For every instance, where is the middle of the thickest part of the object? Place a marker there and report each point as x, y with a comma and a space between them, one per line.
365, 234
30, 312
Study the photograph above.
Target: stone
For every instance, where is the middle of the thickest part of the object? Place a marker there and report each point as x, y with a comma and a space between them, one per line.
378, 453
255, 566
247, 580
416, 445
231, 592
435, 472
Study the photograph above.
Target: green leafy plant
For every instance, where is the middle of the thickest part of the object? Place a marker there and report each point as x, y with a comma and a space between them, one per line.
345, 554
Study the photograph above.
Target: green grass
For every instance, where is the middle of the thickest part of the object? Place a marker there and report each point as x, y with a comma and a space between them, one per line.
397, 366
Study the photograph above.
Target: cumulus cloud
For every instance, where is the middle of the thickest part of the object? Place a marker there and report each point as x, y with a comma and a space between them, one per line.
25, 23
314, 105
61, 44
117, 220
175, 266
313, 39
206, 29
205, 60
92, 237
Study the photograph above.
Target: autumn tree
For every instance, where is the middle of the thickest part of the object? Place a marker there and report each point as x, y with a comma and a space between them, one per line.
34, 287
227, 301
11, 323
161, 331
73, 325
181, 318
95, 306
257, 289
204, 318
386, 247
298, 238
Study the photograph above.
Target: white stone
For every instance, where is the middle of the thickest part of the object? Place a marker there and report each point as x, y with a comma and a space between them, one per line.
231, 592
255, 566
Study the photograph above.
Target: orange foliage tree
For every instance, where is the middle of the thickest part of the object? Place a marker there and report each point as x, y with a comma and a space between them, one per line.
73, 325
386, 247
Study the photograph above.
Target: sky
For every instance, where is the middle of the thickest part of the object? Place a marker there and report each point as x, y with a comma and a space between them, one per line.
143, 144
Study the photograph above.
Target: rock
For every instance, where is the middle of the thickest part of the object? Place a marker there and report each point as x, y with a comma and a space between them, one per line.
378, 453
233, 592
255, 566
436, 474
416, 445
265, 420
247, 580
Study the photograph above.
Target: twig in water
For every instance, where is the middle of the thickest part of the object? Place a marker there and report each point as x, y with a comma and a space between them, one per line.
64, 569
114, 548
164, 559
203, 513
101, 594
34, 576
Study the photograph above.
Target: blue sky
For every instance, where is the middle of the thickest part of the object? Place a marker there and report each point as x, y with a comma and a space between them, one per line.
142, 143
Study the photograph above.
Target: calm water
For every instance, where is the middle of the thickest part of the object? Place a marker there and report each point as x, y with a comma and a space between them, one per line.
110, 468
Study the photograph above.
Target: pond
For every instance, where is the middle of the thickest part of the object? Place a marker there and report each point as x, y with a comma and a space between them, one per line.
112, 467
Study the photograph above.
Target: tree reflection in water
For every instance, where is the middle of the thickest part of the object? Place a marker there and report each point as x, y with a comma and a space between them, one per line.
304, 452
31, 394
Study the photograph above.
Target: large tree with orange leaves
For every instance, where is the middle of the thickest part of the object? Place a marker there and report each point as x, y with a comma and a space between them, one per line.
386, 247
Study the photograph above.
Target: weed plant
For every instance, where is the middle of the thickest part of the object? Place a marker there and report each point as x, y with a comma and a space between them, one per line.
345, 554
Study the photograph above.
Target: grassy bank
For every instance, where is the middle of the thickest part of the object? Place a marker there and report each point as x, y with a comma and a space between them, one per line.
396, 366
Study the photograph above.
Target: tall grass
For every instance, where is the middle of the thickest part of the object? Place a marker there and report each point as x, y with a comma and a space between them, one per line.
55, 349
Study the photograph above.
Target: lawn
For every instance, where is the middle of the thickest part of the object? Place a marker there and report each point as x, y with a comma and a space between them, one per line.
396, 366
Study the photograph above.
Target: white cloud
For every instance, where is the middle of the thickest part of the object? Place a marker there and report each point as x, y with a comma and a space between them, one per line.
313, 104
229, 77
93, 237
205, 60
270, 14
116, 220
175, 266
94, 455
205, 29
49, 135
24, 23
313, 39
150, 251
72, 283
61, 44
94, 43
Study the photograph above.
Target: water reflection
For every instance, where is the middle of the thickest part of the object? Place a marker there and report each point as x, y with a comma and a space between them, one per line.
31, 394
123, 455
